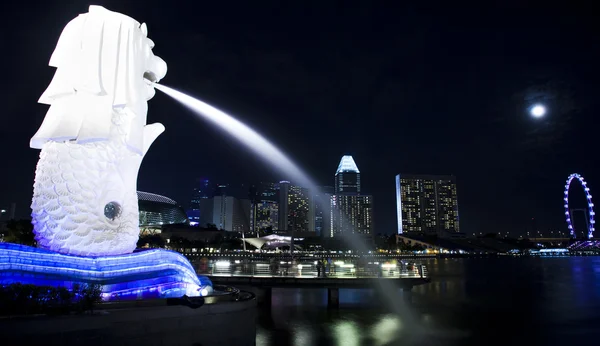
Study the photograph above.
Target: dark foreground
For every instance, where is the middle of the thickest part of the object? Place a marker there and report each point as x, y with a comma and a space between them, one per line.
486, 301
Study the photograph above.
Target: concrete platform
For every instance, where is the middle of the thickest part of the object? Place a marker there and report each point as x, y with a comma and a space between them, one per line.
147, 323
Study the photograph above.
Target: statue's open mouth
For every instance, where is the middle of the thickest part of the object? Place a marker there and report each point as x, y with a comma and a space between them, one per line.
150, 77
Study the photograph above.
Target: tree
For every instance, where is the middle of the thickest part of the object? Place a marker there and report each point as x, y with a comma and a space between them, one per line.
153, 241
20, 232
89, 295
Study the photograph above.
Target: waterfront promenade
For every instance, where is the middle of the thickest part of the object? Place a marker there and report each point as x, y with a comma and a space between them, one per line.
333, 275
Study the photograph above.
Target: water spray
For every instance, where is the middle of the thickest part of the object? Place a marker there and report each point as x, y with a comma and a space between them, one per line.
271, 154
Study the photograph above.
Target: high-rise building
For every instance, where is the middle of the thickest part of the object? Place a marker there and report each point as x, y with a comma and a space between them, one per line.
350, 211
268, 192
266, 215
265, 206
295, 212
226, 212
427, 204
347, 177
322, 206
200, 191
222, 190
351, 214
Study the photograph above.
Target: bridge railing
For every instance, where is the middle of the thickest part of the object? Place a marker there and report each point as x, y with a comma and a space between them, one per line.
309, 269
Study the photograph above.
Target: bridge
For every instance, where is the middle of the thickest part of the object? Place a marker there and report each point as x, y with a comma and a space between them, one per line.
303, 274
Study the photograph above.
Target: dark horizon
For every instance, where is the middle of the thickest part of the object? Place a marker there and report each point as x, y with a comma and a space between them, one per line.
442, 91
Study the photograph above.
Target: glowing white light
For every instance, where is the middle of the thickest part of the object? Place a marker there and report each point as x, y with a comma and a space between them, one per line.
347, 164
243, 133
538, 111
204, 292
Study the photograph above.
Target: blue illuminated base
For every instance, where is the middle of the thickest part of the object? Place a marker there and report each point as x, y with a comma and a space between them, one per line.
145, 274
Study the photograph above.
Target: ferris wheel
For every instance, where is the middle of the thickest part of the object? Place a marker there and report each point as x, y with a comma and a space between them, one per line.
588, 195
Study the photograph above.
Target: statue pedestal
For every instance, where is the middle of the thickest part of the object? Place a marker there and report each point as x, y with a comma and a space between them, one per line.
153, 273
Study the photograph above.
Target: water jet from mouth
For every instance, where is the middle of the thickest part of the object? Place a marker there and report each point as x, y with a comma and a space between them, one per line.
243, 133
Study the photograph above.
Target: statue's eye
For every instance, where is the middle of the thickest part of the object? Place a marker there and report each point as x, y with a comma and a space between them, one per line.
112, 210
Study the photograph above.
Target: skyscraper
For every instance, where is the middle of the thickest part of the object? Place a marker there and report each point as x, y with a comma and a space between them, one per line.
347, 177
427, 204
265, 206
226, 212
322, 206
350, 211
295, 212
351, 214
200, 191
266, 215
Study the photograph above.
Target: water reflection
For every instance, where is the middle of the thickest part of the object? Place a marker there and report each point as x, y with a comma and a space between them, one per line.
500, 301
386, 330
346, 333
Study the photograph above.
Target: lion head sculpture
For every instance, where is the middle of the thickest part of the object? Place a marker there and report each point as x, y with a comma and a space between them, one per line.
104, 62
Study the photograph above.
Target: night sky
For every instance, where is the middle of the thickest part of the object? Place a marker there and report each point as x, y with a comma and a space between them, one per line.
443, 90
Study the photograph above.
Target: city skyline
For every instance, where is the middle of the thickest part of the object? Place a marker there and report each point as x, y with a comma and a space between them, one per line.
409, 91
299, 173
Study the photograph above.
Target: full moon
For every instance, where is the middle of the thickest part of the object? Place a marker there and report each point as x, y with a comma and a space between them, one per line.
538, 111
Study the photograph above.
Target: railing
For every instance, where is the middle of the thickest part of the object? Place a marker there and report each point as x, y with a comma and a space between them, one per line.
303, 269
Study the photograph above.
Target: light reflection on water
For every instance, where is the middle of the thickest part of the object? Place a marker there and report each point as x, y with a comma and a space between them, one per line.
485, 301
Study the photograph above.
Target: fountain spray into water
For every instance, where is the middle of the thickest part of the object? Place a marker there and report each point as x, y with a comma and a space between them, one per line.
268, 152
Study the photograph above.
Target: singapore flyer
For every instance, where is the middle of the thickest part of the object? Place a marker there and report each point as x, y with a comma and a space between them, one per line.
588, 195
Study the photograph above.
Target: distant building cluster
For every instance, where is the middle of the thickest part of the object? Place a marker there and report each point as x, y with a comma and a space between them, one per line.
426, 205
285, 207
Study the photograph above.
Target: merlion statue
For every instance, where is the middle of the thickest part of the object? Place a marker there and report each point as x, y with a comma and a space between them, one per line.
94, 135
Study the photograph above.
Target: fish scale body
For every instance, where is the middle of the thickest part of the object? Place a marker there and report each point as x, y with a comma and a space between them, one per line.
73, 184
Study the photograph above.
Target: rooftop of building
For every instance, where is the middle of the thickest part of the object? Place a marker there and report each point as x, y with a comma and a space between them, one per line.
347, 164
427, 176
152, 197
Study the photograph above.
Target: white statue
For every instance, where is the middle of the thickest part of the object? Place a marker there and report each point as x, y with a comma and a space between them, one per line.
94, 135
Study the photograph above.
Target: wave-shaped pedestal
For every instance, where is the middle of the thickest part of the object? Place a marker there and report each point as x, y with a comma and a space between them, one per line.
154, 273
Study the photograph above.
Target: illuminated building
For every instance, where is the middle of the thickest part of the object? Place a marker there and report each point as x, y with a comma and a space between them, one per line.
266, 215
157, 211
347, 177
200, 191
351, 214
265, 207
350, 211
295, 212
427, 204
